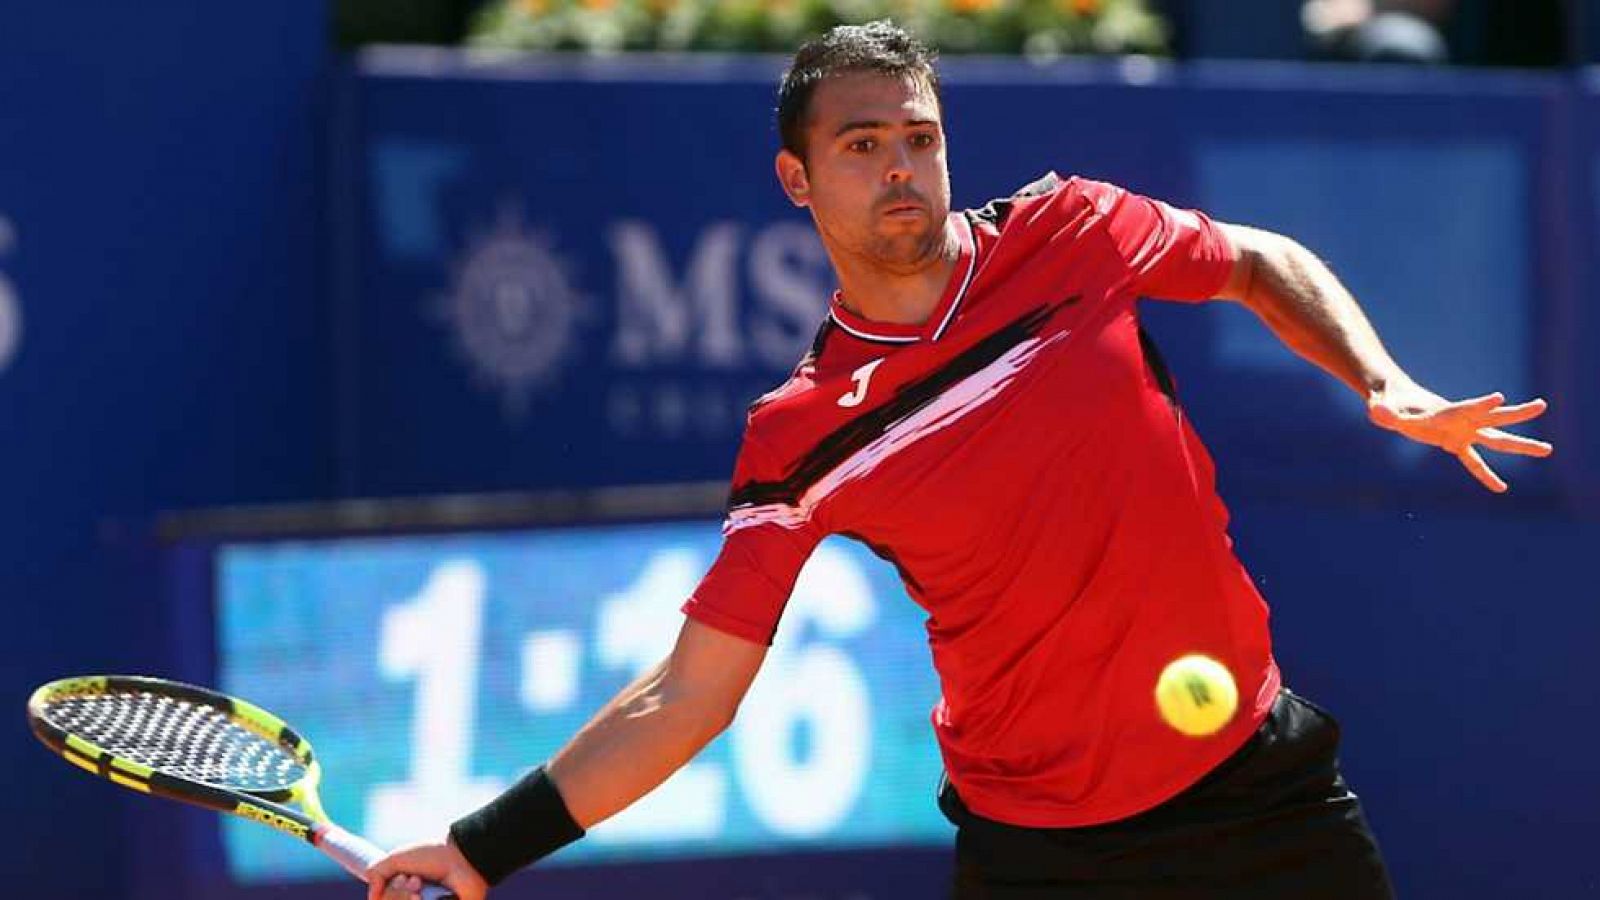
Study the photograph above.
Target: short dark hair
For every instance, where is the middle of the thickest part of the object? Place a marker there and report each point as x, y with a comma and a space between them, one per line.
881, 47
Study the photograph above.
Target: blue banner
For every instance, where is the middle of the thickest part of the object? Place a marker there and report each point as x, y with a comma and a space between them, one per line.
430, 671
160, 346
558, 283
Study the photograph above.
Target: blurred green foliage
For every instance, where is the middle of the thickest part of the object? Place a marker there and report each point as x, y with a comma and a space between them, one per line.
1037, 28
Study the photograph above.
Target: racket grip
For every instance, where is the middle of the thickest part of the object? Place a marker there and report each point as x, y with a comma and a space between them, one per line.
357, 855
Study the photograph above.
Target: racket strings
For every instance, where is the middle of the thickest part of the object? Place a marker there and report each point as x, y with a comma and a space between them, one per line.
178, 737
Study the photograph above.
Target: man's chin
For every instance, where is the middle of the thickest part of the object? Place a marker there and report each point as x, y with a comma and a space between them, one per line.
905, 250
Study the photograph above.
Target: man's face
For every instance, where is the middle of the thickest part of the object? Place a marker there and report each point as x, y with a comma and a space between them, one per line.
874, 175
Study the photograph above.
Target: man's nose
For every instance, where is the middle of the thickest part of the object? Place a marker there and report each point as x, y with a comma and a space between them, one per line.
899, 165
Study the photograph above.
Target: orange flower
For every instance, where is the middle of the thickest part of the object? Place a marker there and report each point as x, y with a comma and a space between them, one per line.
1085, 7
973, 6
599, 5
533, 9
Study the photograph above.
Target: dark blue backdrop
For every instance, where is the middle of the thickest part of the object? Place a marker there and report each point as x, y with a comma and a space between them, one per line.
160, 346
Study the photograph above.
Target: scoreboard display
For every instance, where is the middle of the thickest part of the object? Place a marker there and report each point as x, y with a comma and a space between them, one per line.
430, 671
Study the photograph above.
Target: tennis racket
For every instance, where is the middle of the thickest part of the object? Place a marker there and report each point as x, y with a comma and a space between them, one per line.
175, 740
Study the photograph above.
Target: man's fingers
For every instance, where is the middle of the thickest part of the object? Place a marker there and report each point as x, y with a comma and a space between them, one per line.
1489, 408
403, 887
1480, 470
1506, 442
1486, 402
1516, 415
1458, 427
385, 878
378, 877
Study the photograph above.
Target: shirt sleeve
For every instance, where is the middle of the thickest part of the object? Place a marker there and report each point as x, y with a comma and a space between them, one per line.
767, 539
1171, 253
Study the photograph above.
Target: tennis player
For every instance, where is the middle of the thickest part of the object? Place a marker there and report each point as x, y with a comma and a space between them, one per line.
981, 408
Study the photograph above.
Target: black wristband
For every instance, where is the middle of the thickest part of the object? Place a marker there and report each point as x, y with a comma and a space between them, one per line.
526, 823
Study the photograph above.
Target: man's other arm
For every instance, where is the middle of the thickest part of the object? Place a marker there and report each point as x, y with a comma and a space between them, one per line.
656, 724
1307, 307
646, 732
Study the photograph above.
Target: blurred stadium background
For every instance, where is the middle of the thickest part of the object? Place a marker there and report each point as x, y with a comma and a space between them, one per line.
383, 360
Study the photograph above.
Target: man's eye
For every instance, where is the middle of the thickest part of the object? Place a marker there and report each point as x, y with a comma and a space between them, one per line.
922, 140
864, 145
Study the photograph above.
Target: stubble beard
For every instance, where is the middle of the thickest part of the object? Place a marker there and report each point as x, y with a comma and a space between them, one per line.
905, 254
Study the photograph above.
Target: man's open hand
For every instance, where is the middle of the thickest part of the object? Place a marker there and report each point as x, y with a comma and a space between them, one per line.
1458, 427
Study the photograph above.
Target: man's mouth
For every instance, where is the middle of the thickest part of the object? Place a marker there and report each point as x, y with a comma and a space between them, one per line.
903, 209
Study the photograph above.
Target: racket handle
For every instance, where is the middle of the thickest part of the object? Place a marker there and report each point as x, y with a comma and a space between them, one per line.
357, 855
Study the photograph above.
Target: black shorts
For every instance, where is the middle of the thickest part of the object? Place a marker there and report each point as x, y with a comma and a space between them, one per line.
1274, 820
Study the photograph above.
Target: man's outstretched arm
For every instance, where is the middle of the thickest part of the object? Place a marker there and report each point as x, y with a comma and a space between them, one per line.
1316, 317
644, 734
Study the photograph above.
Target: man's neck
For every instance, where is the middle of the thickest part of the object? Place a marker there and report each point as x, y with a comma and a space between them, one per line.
881, 294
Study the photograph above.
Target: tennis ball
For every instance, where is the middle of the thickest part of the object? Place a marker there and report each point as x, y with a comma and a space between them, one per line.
1196, 695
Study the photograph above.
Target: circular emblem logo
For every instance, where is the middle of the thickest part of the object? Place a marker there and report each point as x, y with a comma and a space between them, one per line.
514, 313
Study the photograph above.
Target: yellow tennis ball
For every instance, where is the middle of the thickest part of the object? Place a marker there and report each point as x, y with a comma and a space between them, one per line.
1196, 695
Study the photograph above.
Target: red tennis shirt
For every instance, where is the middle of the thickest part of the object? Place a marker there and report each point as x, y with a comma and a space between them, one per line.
1021, 460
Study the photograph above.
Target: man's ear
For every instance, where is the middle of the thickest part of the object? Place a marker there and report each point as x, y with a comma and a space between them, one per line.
792, 175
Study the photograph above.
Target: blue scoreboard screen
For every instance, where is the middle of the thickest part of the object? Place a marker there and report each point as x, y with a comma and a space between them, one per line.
430, 671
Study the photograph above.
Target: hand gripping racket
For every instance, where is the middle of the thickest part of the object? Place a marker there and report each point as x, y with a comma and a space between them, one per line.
187, 743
